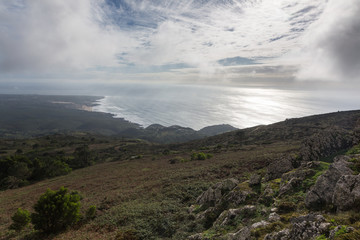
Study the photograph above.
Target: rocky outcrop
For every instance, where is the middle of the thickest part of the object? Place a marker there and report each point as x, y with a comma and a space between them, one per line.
293, 180
302, 228
213, 195
281, 235
255, 179
347, 193
278, 168
239, 195
267, 197
325, 144
229, 216
274, 217
243, 234
305, 170
289, 186
226, 210
198, 236
321, 194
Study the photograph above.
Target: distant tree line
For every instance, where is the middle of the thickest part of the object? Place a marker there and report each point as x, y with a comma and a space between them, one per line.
20, 169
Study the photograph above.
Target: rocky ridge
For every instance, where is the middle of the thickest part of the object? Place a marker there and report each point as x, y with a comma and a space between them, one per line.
289, 200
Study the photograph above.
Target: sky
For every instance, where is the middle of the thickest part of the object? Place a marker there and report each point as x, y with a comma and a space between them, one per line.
278, 43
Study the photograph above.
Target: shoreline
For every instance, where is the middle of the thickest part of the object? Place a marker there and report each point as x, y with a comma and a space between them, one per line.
73, 105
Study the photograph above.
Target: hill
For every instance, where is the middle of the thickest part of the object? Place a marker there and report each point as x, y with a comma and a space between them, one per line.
253, 183
38, 115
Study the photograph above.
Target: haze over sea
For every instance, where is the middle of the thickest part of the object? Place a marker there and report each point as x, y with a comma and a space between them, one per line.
201, 106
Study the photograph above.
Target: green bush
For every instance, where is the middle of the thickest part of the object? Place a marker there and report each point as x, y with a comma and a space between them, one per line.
200, 156
341, 231
91, 212
321, 237
20, 220
354, 150
56, 210
355, 235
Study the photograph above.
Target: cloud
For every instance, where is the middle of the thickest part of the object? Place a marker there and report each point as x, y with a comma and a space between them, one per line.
332, 44
56, 35
194, 39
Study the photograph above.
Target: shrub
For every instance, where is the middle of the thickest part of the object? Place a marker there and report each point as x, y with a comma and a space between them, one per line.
20, 220
177, 160
91, 212
200, 156
354, 150
341, 231
321, 237
56, 210
355, 235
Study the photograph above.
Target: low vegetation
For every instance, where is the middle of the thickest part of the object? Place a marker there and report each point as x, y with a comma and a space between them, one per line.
148, 197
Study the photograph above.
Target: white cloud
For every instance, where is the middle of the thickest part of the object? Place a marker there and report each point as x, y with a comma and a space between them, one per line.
331, 47
56, 35
87, 37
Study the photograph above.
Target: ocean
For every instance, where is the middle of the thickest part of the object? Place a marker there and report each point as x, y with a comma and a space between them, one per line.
201, 106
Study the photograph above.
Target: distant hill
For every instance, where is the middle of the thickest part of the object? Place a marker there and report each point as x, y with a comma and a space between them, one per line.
36, 115
216, 129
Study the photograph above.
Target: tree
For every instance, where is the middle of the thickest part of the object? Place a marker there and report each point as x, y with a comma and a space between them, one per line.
82, 156
56, 210
20, 220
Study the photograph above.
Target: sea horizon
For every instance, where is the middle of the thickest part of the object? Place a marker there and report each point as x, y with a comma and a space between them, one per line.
198, 107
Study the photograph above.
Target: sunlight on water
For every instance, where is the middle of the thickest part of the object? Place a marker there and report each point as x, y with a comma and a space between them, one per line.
197, 107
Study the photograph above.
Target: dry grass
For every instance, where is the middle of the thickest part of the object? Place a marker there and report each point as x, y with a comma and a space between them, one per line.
148, 180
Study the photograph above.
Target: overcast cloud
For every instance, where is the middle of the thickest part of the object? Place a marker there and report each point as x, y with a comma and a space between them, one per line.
234, 41
332, 44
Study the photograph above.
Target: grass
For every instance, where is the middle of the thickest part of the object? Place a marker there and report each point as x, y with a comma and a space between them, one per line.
131, 193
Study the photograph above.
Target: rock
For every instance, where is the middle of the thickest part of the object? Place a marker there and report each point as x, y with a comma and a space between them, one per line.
201, 216
281, 235
198, 236
267, 197
290, 186
229, 216
306, 227
262, 223
325, 143
347, 193
255, 179
274, 217
264, 212
212, 196
303, 228
239, 196
324, 227
273, 210
294, 178
309, 218
277, 168
322, 192
242, 234
191, 209
304, 171
248, 210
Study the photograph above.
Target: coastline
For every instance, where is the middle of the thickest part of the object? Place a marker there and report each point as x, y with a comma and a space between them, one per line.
84, 106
